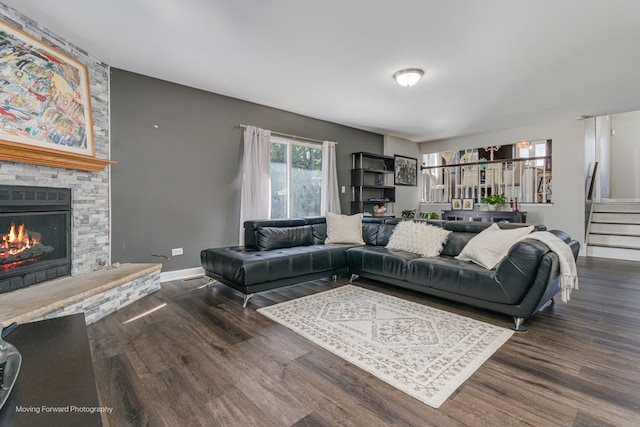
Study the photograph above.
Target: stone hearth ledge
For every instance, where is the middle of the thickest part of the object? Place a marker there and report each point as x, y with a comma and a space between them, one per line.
77, 293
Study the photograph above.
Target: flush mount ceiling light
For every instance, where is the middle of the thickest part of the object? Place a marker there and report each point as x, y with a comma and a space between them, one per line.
408, 77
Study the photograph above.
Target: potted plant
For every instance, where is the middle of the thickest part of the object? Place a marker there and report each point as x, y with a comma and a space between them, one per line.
408, 213
429, 215
494, 201
411, 213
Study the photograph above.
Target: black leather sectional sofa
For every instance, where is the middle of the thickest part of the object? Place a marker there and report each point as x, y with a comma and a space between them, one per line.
288, 251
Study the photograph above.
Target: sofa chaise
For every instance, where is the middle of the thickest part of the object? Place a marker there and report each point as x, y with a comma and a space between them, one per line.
287, 251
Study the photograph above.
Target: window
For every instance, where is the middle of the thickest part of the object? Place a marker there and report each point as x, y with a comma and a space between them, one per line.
296, 178
529, 149
433, 160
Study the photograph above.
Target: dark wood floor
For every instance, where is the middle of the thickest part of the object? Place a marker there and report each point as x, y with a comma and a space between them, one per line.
201, 359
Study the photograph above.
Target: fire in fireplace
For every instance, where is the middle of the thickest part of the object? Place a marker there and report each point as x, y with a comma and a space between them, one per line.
35, 231
20, 247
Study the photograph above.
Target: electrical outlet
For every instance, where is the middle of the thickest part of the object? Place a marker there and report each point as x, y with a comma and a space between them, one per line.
176, 251
344, 190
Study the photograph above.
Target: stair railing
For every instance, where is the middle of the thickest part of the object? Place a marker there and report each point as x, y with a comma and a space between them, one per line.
588, 205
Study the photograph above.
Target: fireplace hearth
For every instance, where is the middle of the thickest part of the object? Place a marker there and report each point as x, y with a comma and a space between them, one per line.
35, 235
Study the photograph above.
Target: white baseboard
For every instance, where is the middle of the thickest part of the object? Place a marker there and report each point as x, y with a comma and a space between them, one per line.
188, 273
613, 253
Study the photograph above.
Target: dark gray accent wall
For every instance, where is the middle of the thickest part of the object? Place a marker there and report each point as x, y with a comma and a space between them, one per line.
176, 183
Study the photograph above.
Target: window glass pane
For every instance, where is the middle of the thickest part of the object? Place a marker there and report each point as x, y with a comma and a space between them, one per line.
306, 180
523, 153
278, 177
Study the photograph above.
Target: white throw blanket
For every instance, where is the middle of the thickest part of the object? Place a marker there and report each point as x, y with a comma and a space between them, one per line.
568, 270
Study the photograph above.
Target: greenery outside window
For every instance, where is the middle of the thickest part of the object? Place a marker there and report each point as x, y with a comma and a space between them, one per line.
296, 178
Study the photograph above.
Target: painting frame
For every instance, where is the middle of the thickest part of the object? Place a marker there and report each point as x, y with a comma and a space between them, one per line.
45, 103
456, 204
467, 204
405, 171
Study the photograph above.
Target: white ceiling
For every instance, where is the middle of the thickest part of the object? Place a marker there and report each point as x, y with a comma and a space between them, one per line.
489, 64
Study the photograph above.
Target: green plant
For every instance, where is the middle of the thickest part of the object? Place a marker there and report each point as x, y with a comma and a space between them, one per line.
408, 213
428, 215
495, 199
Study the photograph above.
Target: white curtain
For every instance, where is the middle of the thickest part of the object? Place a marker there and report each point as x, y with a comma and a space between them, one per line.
330, 198
255, 197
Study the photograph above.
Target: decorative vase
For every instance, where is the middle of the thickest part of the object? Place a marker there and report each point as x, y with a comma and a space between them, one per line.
379, 211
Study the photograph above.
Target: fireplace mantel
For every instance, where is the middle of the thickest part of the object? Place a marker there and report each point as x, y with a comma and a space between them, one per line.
22, 153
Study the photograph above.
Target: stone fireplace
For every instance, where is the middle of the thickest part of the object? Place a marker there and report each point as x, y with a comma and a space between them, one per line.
81, 253
89, 215
35, 235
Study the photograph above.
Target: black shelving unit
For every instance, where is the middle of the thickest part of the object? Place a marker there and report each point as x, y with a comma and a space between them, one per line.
370, 177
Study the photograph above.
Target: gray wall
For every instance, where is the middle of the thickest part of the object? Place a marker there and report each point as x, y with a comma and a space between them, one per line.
178, 184
407, 197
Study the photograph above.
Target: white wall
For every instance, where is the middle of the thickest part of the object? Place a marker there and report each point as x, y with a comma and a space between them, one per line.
406, 197
603, 156
590, 157
567, 210
625, 156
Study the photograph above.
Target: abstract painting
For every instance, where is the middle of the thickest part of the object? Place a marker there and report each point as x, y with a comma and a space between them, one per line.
44, 95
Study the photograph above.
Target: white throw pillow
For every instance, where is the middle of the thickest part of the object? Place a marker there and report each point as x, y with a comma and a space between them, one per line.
344, 229
422, 239
491, 245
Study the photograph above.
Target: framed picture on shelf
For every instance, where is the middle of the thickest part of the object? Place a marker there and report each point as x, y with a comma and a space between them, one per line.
456, 204
406, 171
467, 204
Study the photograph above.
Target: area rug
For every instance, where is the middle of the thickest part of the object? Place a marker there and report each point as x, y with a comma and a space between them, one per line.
425, 352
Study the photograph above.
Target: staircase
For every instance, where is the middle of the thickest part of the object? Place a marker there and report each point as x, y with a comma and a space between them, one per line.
615, 231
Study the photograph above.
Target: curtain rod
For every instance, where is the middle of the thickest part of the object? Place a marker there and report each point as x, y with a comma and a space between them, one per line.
287, 135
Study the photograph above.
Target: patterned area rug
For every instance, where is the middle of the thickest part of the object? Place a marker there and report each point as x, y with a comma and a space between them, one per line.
425, 352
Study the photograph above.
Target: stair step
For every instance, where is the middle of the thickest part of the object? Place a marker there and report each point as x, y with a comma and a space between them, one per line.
612, 240
615, 228
615, 253
633, 207
617, 217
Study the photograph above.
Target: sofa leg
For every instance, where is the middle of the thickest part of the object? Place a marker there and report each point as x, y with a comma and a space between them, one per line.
518, 324
353, 277
247, 297
211, 282
334, 277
